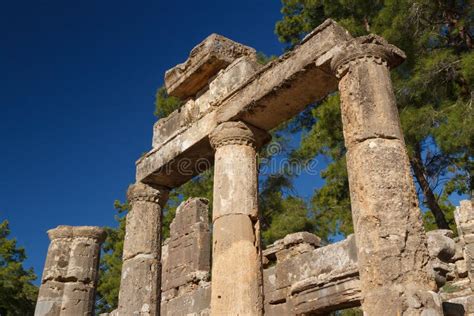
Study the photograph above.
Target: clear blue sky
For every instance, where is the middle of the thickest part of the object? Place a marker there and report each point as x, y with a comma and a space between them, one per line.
77, 88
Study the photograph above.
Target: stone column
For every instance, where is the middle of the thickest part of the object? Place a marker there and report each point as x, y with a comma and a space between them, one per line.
140, 285
236, 254
392, 244
70, 272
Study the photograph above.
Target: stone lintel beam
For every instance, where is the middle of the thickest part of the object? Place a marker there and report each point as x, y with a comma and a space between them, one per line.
271, 96
216, 52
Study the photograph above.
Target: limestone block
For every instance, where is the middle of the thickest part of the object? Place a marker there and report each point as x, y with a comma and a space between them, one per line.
78, 299
57, 259
188, 248
236, 274
459, 252
49, 299
293, 251
84, 260
441, 246
205, 60
301, 238
232, 77
138, 287
461, 268
143, 230
236, 179
190, 212
195, 303
329, 262
464, 213
368, 104
325, 297
278, 309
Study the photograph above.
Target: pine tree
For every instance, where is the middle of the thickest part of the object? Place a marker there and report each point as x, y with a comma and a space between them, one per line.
434, 89
17, 292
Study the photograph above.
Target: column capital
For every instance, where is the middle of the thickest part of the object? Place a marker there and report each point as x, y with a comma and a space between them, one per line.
372, 48
232, 133
64, 231
144, 192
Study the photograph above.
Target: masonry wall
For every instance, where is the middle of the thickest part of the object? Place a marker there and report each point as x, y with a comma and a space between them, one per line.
301, 275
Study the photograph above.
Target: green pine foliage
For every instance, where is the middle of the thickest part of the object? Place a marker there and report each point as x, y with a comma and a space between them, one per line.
111, 263
434, 89
17, 292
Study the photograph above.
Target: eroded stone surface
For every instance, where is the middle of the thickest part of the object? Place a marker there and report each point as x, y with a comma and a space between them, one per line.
271, 96
392, 247
70, 272
205, 60
187, 261
140, 286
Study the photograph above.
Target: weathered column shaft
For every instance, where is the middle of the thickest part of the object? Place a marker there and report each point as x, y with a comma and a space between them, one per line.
140, 286
236, 267
392, 245
70, 272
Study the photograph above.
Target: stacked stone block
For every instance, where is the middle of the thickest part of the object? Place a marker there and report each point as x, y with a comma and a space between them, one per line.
70, 273
141, 270
458, 293
186, 288
389, 232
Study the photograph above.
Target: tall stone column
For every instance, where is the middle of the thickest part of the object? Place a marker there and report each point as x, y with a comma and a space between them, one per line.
236, 253
70, 272
140, 285
392, 244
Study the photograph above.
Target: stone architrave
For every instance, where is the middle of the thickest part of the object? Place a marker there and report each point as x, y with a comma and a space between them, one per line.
391, 241
237, 262
140, 286
70, 272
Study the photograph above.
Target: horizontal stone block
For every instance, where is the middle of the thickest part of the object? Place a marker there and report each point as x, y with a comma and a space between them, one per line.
196, 302
275, 93
327, 297
326, 263
301, 238
205, 60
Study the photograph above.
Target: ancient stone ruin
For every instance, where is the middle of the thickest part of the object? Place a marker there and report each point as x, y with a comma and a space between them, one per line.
390, 266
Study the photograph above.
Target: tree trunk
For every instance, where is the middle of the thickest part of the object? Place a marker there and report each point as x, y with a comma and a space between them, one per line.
420, 175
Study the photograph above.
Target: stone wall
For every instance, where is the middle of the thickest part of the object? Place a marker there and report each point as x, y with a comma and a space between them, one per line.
457, 294
301, 276
186, 258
